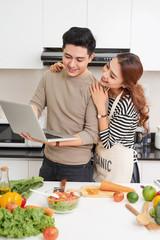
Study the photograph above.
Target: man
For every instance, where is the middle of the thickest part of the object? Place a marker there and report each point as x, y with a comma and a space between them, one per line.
70, 110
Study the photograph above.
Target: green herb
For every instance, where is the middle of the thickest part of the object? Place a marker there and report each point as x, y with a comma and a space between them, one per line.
23, 223
22, 186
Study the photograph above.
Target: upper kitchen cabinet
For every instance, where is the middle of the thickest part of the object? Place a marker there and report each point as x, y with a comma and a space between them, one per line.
110, 22
145, 36
59, 16
21, 34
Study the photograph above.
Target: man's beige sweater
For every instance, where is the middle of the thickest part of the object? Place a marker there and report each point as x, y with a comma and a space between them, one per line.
70, 110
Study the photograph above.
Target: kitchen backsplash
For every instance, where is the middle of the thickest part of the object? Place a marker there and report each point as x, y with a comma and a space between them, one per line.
19, 85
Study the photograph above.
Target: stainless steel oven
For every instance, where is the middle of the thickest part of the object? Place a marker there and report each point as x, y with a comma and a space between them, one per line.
10, 139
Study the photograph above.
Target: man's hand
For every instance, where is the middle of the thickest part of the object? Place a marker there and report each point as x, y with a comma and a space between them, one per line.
28, 137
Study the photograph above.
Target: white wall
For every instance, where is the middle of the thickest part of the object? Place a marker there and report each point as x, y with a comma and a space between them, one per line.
19, 85
151, 84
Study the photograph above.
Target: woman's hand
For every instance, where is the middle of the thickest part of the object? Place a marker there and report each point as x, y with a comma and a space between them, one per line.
99, 95
57, 67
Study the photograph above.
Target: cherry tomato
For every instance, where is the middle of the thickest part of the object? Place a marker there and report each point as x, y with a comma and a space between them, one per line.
50, 233
11, 206
118, 196
23, 202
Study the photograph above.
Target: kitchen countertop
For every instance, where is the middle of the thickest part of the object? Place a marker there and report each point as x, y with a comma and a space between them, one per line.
144, 153
148, 152
96, 218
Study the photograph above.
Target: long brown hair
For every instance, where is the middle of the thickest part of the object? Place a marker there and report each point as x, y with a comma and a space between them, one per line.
132, 70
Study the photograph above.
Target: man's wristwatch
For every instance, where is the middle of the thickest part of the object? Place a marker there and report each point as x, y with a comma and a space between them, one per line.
101, 116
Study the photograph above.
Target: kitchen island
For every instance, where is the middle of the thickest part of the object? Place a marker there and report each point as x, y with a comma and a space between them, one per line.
26, 162
96, 218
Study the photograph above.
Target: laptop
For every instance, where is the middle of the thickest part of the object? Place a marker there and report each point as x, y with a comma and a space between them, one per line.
22, 119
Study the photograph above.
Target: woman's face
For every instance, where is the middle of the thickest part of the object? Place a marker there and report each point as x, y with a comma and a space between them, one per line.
112, 77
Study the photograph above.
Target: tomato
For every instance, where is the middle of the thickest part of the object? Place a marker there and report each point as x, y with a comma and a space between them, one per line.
73, 201
118, 196
11, 206
23, 202
50, 233
158, 193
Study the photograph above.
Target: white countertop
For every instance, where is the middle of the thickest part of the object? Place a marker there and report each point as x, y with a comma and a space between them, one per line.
96, 218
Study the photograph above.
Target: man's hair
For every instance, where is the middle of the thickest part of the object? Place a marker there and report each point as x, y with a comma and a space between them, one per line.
80, 37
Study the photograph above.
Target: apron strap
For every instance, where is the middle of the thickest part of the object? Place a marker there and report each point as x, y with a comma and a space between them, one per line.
114, 106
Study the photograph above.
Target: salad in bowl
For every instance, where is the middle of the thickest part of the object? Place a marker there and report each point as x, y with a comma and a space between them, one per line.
64, 202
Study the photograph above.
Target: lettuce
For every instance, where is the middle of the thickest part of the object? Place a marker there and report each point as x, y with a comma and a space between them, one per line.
23, 223
63, 206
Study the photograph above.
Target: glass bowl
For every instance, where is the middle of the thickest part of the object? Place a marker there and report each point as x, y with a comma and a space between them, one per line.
67, 201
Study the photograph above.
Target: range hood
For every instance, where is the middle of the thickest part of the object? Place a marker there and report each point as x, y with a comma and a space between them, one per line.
102, 55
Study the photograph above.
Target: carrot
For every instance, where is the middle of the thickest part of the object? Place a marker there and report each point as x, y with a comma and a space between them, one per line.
47, 211
109, 186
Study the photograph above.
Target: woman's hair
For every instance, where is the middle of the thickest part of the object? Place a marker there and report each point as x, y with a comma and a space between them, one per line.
80, 37
132, 70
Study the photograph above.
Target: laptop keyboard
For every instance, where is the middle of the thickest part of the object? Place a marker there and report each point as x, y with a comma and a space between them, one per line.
50, 136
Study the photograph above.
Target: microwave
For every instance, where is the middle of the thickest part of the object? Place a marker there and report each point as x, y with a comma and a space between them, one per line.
10, 139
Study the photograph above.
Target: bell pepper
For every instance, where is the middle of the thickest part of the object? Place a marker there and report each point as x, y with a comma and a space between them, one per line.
10, 197
23, 202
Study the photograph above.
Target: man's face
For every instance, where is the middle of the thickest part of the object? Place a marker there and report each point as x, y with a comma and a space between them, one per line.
76, 59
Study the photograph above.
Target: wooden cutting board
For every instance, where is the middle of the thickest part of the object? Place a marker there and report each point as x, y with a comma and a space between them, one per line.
93, 192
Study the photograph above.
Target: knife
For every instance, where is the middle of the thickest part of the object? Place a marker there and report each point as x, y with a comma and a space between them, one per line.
62, 187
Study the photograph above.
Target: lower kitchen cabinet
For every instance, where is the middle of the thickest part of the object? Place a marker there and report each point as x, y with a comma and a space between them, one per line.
33, 167
22, 168
149, 170
18, 167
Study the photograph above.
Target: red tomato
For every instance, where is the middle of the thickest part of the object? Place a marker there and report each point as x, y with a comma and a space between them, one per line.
72, 201
50, 233
118, 196
158, 193
11, 206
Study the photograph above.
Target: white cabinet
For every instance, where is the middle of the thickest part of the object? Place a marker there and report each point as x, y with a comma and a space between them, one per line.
145, 35
34, 167
149, 171
59, 16
21, 34
110, 22
22, 168
18, 167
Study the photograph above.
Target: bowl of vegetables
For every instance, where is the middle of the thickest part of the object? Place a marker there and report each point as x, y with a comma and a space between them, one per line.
63, 202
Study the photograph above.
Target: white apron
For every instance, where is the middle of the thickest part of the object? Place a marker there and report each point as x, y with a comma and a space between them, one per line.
116, 163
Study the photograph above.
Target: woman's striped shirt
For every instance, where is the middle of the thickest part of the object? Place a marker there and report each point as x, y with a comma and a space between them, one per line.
122, 125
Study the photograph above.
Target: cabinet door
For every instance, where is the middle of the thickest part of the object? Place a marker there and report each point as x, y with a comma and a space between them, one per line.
145, 40
150, 171
110, 22
34, 167
21, 34
59, 16
18, 168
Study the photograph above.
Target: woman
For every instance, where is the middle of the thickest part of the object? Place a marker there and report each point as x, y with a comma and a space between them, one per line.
120, 74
